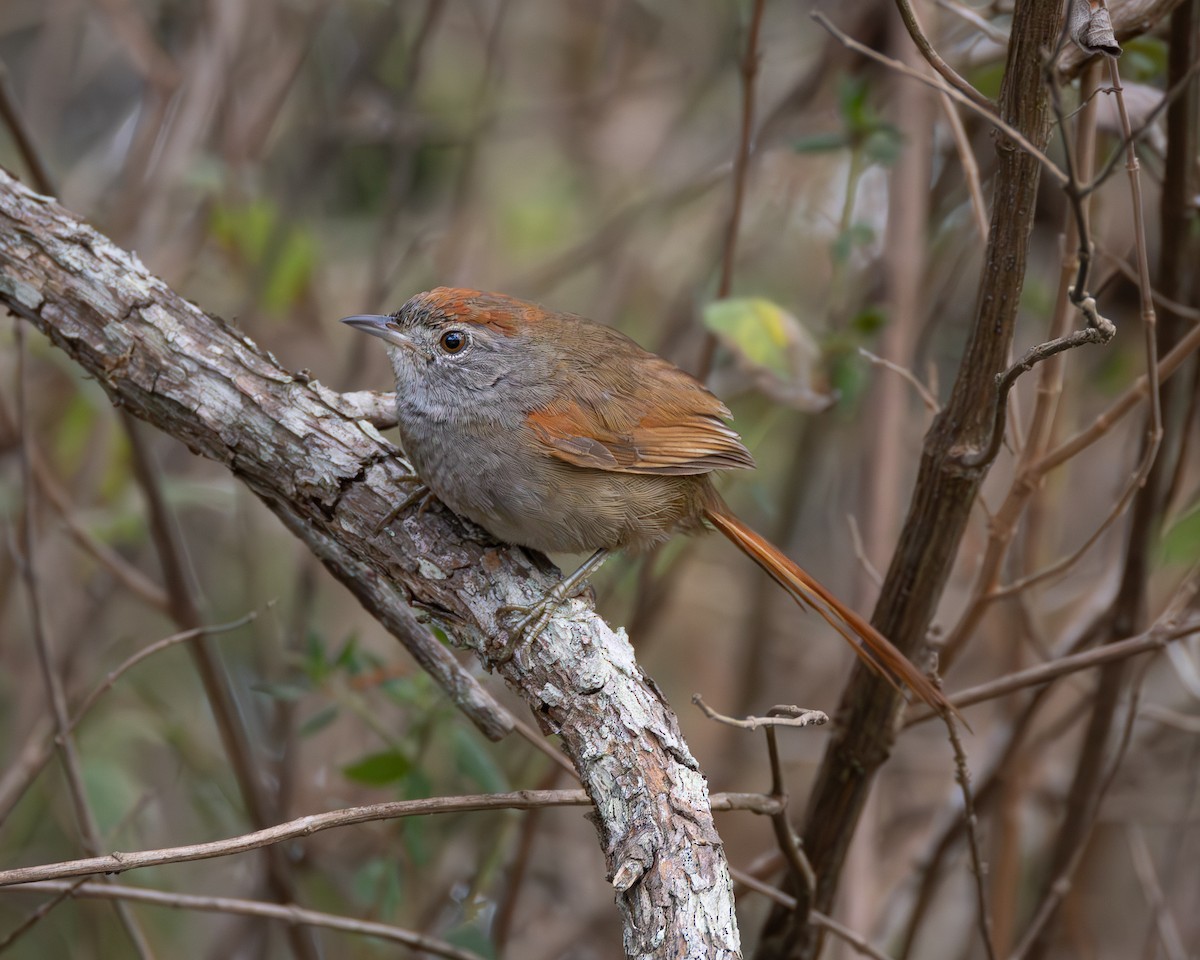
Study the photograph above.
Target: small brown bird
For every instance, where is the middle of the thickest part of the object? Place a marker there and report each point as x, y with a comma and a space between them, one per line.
559, 434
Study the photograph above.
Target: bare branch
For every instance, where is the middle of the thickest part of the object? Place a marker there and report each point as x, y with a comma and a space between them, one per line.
962, 774
1154, 639
330, 478
794, 717
749, 73
86, 823
285, 913
35, 756
934, 59
348, 816
986, 112
923, 391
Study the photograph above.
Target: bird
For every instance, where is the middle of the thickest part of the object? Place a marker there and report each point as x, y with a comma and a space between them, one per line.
556, 433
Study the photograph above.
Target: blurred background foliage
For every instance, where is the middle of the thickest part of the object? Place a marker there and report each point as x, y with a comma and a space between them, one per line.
287, 162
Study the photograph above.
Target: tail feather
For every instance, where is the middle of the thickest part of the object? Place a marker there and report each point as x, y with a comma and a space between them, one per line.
869, 644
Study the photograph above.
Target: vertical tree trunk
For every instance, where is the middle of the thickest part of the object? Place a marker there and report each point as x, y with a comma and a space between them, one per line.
942, 499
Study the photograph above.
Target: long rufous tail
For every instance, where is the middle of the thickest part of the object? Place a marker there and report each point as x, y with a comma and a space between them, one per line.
872, 647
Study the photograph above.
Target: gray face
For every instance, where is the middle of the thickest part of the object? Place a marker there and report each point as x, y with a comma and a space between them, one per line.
444, 363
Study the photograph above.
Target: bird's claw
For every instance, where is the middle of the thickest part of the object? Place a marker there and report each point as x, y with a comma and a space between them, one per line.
534, 619
420, 494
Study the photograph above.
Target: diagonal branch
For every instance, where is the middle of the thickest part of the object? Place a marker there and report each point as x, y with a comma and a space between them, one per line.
330, 479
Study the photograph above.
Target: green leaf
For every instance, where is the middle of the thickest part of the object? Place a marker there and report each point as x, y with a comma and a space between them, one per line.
780, 355
75, 429
987, 77
1181, 544
821, 143
755, 327
471, 936
290, 692
379, 883
883, 144
848, 375
869, 321
378, 769
852, 104
857, 235
319, 720
1144, 59
476, 762
315, 665
260, 239
291, 272
348, 658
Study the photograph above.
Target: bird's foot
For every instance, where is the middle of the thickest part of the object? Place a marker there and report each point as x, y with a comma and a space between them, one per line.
420, 494
536, 617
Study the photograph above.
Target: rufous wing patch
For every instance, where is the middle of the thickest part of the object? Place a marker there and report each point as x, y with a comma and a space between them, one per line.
693, 444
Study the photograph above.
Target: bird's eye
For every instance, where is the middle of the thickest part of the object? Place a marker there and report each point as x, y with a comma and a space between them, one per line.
453, 341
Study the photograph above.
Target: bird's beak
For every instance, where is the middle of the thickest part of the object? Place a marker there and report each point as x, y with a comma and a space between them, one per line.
382, 327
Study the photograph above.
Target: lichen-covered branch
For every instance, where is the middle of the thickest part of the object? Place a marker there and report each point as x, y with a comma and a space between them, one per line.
330, 477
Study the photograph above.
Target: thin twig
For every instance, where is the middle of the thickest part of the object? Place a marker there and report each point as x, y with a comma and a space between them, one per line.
1064, 563
513, 881
315, 823
970, 16
858, 944
934, 59
785, 837
923, 392
1143, 865
39, 756
1154, 429
1153, 639
286, 913
159, 645
1128, 271
129, 576
1106, 419
1100, 333
781, 715
751, 882
793, 717
291, 830
749, 73
1057, 890
1131, 137
14, 119
970, 166
989, 115
1149, 319
20, 769
65, 889
1098, 329
962, 775
540, 743
89, 829
185, 611
860, 552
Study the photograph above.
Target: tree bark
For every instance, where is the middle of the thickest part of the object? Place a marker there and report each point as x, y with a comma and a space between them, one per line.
945, 490
326, 472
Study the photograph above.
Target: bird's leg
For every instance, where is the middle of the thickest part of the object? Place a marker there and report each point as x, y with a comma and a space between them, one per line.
535, 618
420, 494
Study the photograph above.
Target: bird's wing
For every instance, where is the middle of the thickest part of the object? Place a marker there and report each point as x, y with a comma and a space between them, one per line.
653, 419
